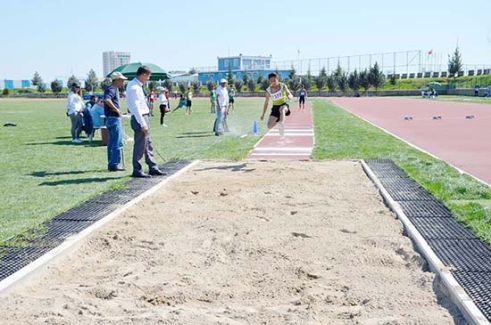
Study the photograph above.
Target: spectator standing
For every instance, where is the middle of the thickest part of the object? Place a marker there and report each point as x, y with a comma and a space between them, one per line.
75, 107
140, 123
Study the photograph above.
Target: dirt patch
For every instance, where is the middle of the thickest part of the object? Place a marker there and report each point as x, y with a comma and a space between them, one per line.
192, 255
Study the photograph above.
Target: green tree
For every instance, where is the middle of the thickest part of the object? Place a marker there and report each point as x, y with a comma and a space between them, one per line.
72, 80
338, 73
294, 83
376, 77
230, 76
455, 64
331, 83
42, 87
245, 78
251, 85
182, 88
56, 86
196, 87
264, 84
342, 81
91, 82
320, 82
260, 80
167, 83
152, 85
364, 81
36, 79
323, 73
307, 81
292, 74
210, 85
354, 81
238, 85
393, 79
105, 83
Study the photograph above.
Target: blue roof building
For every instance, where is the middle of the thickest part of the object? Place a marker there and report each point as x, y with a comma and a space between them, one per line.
254, 66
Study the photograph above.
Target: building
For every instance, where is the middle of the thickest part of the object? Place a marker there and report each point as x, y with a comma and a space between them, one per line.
111, 60
15, 84
254, 66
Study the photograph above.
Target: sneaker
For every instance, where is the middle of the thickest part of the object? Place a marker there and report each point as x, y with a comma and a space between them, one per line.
77, 141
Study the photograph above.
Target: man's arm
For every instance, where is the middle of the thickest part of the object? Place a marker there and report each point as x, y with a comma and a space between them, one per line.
132, 101
112, 107
289, 94
265, 106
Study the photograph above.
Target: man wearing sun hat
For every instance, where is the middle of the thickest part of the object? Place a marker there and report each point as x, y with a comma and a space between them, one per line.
222, 100
113, 122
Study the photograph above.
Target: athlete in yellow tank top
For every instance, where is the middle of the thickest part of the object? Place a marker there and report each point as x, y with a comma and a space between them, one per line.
280, 94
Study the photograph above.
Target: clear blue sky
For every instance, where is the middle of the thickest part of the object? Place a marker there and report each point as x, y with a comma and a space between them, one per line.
58, 37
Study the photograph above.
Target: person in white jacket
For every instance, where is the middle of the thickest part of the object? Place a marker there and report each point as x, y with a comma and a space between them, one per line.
222, 107
75, 106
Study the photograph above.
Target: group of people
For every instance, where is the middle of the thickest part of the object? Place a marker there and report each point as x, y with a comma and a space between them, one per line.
84, 116
139, 107
109, 107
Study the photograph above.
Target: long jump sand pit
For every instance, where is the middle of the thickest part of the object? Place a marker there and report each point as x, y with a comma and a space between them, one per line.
241, 243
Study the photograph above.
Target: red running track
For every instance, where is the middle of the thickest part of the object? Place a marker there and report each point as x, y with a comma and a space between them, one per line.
298, 140
464, 143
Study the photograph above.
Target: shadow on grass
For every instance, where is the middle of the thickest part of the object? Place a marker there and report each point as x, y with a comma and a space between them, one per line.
67, 143
80, 181
74, 172
234, 168
194, 136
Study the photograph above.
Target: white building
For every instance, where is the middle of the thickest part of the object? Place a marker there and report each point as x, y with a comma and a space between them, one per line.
111, 60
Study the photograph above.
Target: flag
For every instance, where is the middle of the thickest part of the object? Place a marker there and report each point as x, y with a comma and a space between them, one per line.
430, 52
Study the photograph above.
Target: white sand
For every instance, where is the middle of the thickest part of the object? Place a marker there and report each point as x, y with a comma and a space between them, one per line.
241, 243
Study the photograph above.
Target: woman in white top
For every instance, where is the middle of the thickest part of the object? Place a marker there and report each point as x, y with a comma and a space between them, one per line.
164, 105
75, 106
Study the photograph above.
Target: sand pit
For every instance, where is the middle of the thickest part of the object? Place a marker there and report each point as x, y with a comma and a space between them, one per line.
241, 243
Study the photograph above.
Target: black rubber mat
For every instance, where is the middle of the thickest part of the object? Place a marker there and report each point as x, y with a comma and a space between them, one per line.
456, 246
77, 219
463, 255
88, 211
441, 228
425, 209
478, 287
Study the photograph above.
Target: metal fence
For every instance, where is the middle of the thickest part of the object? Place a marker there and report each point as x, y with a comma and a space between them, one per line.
404, 63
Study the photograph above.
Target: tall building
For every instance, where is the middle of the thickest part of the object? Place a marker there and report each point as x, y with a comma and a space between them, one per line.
111, 60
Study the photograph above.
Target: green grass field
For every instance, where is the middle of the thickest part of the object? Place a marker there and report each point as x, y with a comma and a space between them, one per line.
340, 135
43, 174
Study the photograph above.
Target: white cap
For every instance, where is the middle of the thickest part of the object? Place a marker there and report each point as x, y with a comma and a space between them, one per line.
222, 81
117, 75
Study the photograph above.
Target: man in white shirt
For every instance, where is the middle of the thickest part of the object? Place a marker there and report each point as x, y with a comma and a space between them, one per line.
140, 123
223, 101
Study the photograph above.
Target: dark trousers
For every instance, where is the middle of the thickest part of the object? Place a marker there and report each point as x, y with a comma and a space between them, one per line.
142, 146
162, 113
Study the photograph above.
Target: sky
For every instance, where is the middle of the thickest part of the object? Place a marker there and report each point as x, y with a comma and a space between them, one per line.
58, 38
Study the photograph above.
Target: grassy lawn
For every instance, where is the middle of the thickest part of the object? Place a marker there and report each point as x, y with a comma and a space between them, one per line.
42, 174
340, 135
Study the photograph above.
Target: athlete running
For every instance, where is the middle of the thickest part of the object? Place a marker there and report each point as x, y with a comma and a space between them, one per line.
280, 94
301, 98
